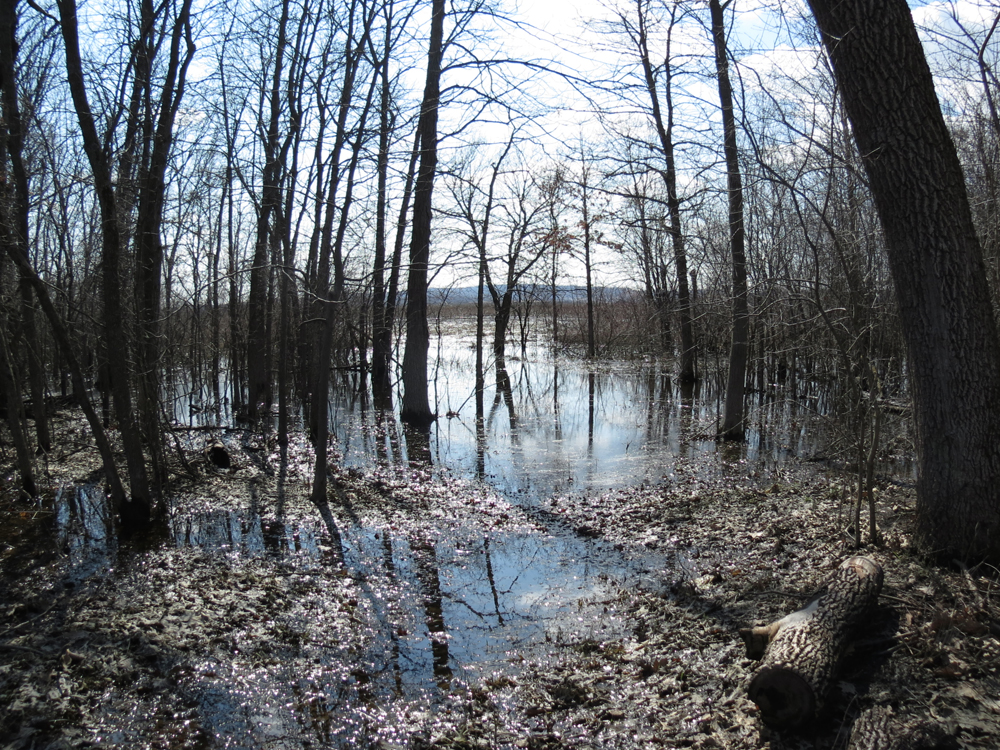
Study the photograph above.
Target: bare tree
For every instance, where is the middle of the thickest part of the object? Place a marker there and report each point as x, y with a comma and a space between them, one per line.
937, 265
733, 427
416, 409
655, 77
138, 508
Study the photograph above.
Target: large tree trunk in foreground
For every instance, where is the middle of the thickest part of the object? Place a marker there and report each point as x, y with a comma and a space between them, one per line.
937, 266
805, 647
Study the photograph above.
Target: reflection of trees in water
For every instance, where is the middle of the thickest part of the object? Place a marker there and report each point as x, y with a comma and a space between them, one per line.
418, 445
393, 635
386, 437
557, 421
590, 413
273, 530
425, 558
598, 415
505, 393
491, 579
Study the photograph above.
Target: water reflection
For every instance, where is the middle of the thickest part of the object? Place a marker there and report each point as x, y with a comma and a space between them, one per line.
554, 424
443, 602
547, 423
84, 527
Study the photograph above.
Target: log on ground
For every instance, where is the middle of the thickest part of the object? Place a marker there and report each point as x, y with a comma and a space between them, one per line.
801, 651
879, 728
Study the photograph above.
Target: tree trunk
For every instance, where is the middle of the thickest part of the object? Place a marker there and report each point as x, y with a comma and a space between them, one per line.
416, 409
381, 327
36, 370
804, 648
14, 407
733, 427
382, 349
137, 511
258, 342
937, 265
148, 243
16, 221
587, 264
664, 130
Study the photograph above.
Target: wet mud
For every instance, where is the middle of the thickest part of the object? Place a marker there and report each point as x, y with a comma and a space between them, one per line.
443, 615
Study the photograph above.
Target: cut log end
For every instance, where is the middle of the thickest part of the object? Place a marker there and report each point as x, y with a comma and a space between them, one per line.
219, 456
803, 648
785, 698
757, 639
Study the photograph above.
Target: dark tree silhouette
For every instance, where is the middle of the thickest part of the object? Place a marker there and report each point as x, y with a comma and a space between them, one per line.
416, 409
937, 266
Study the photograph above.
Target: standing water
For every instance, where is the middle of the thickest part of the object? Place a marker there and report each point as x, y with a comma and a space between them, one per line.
280, 631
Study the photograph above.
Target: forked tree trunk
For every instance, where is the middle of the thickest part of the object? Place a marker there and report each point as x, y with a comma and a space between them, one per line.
135, 512
665, 133
804, 648
258, 319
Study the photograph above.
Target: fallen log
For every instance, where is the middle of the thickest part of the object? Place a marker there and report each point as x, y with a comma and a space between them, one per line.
217, 454
879, 728
801, 651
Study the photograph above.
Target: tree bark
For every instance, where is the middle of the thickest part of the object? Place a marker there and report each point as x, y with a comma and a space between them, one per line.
148, 242
36, 369
937, 265
665, 133
804, 648
14, 408
260, 394
416, 409
879, 729
382, 348
381, 326
733, 427
137, 511
16, 212
587, 261
333, 309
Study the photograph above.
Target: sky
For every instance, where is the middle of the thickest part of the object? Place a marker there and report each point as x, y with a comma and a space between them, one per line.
568, 34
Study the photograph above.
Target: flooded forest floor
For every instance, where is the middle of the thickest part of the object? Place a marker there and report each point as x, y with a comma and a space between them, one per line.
446, 616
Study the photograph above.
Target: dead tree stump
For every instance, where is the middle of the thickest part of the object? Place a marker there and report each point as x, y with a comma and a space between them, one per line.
804, 648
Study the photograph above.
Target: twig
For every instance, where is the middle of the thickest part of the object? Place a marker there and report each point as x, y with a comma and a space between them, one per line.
976, 593
14, 647
22, 624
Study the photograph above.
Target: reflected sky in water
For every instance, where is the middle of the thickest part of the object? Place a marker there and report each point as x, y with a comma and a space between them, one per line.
434, 602
569, 425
